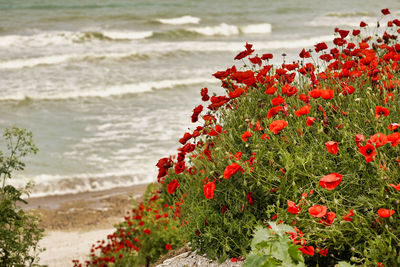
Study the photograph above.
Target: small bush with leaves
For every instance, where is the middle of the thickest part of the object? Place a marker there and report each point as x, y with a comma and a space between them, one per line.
272, 247
19, 231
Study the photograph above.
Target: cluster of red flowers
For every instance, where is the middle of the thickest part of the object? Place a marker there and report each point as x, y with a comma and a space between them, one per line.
318, 102
134, 235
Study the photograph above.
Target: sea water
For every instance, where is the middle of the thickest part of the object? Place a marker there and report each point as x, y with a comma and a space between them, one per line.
108, 87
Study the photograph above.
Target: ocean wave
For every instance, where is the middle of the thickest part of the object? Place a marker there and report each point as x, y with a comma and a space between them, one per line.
160, 49
59, 59
227, 30
48, 185
180, 20
116, 90
63, 38
45, 39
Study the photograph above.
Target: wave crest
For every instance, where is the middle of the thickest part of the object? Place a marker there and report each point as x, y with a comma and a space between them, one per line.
116, 90
180, 20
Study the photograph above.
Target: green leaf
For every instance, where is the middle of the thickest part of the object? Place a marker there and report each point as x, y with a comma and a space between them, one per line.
260, 235
296, 255
343, 264
254, 260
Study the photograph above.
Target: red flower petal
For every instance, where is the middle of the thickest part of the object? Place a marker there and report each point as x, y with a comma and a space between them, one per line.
330, 181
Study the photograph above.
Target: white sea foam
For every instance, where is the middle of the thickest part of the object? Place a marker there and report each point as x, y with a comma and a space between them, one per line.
127, 35
256, 28
115, 90
224, 29
58, 59
180, 20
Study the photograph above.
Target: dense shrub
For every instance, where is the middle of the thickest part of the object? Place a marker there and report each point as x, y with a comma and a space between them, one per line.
148, 231
313, 144
19, 230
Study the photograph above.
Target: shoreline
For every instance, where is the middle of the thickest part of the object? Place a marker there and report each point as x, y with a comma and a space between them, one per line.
73, 222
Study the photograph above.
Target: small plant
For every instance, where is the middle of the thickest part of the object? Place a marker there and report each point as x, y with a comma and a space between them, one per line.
149, 231
272, 247
19, 231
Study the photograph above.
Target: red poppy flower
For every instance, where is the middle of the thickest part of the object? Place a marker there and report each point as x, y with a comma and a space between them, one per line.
347, 90
204, 94
231, 170
270, 90
255, 60
397, 187
236, 93
358, 139
379, 111
147, 231
277, 100
292, 208
196, 111
241, 55
277, 126
317, 211
307, 250
378, 139
315, 93
265, 137
288, 90
168, 247
249, 198
208, 190
348, 216
223, 209
394, 138
310, 121
328, 218
363, 24
343, 33
385, 213
267, 56
246, 135
393, 126
330, 181
273, 111
320, 47
172, 186
332, 147
304, 110
185, 138
258, 126
304, 54
179, 167
327, 94
385, 11
368, 151
323, 252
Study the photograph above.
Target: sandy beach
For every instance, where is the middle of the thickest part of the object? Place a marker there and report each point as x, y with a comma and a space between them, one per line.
74, 222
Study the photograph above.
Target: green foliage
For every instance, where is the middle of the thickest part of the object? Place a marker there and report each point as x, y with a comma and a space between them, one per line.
239, 170
19, 231
272, 247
